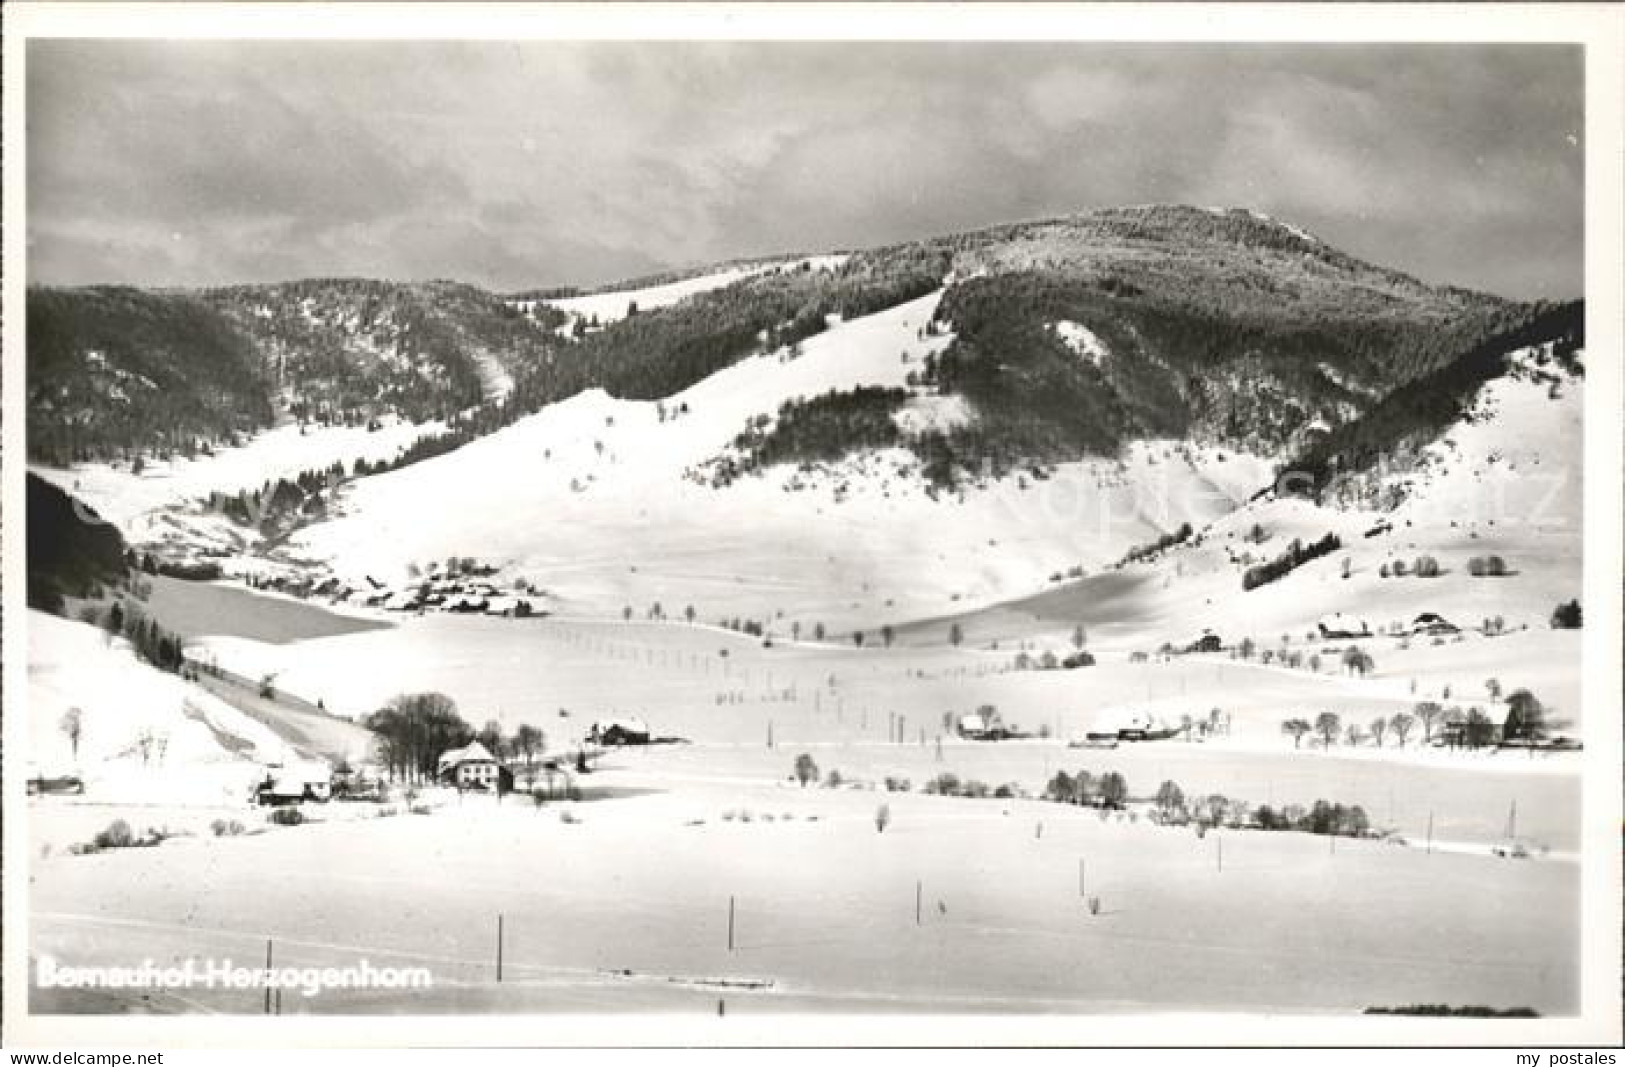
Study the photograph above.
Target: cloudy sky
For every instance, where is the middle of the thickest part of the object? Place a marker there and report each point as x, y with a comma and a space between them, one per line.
534, 163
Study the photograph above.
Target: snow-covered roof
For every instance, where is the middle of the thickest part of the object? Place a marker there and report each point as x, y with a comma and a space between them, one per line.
473, 752
1126, 719
628, 724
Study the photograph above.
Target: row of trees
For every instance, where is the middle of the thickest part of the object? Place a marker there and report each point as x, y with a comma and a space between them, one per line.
1296, 555
113, 371
414, 729
151, 642
1423, 567
278, 497
1108, 790
1173, 808
1526, 721
1161, 544
1427, 403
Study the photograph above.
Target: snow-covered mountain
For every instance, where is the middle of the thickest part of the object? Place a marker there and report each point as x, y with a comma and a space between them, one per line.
906, 433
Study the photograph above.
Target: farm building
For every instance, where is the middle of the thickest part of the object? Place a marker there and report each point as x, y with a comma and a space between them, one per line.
548, 778
985, 725
473, 767
1130, 726
1208, 642
1341, 625
294, 783
624, 731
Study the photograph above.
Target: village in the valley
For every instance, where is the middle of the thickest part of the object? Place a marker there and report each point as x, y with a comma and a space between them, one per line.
609, 576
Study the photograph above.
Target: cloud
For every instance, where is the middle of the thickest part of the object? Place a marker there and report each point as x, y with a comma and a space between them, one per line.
522, 163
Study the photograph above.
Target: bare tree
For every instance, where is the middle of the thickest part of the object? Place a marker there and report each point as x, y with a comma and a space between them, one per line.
1379, 727
491, 736
72, 724
1297, 728
1400, 723
1427, 713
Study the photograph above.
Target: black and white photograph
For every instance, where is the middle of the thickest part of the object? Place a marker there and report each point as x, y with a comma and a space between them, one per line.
724, 525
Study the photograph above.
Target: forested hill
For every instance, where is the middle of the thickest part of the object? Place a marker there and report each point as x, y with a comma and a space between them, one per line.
1418, 411
1074, 336
113, 371
1070, 337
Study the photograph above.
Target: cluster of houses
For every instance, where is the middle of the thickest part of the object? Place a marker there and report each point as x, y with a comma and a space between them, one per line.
1339, 626
986, 725
470, 768
468, 593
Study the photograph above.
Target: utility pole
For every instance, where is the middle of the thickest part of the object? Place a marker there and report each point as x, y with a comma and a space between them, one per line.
499, 946
919, 900
730, 924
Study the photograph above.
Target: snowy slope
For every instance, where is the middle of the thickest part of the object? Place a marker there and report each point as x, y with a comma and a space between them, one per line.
123, 497
589, 499
1504, 481
195, 747
612, 307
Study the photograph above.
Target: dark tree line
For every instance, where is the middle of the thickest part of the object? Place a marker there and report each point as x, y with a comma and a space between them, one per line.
1233, 314
1161, 544
72, 552
1422, 408
114, 370
1295, 556
280, 497
822, 429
